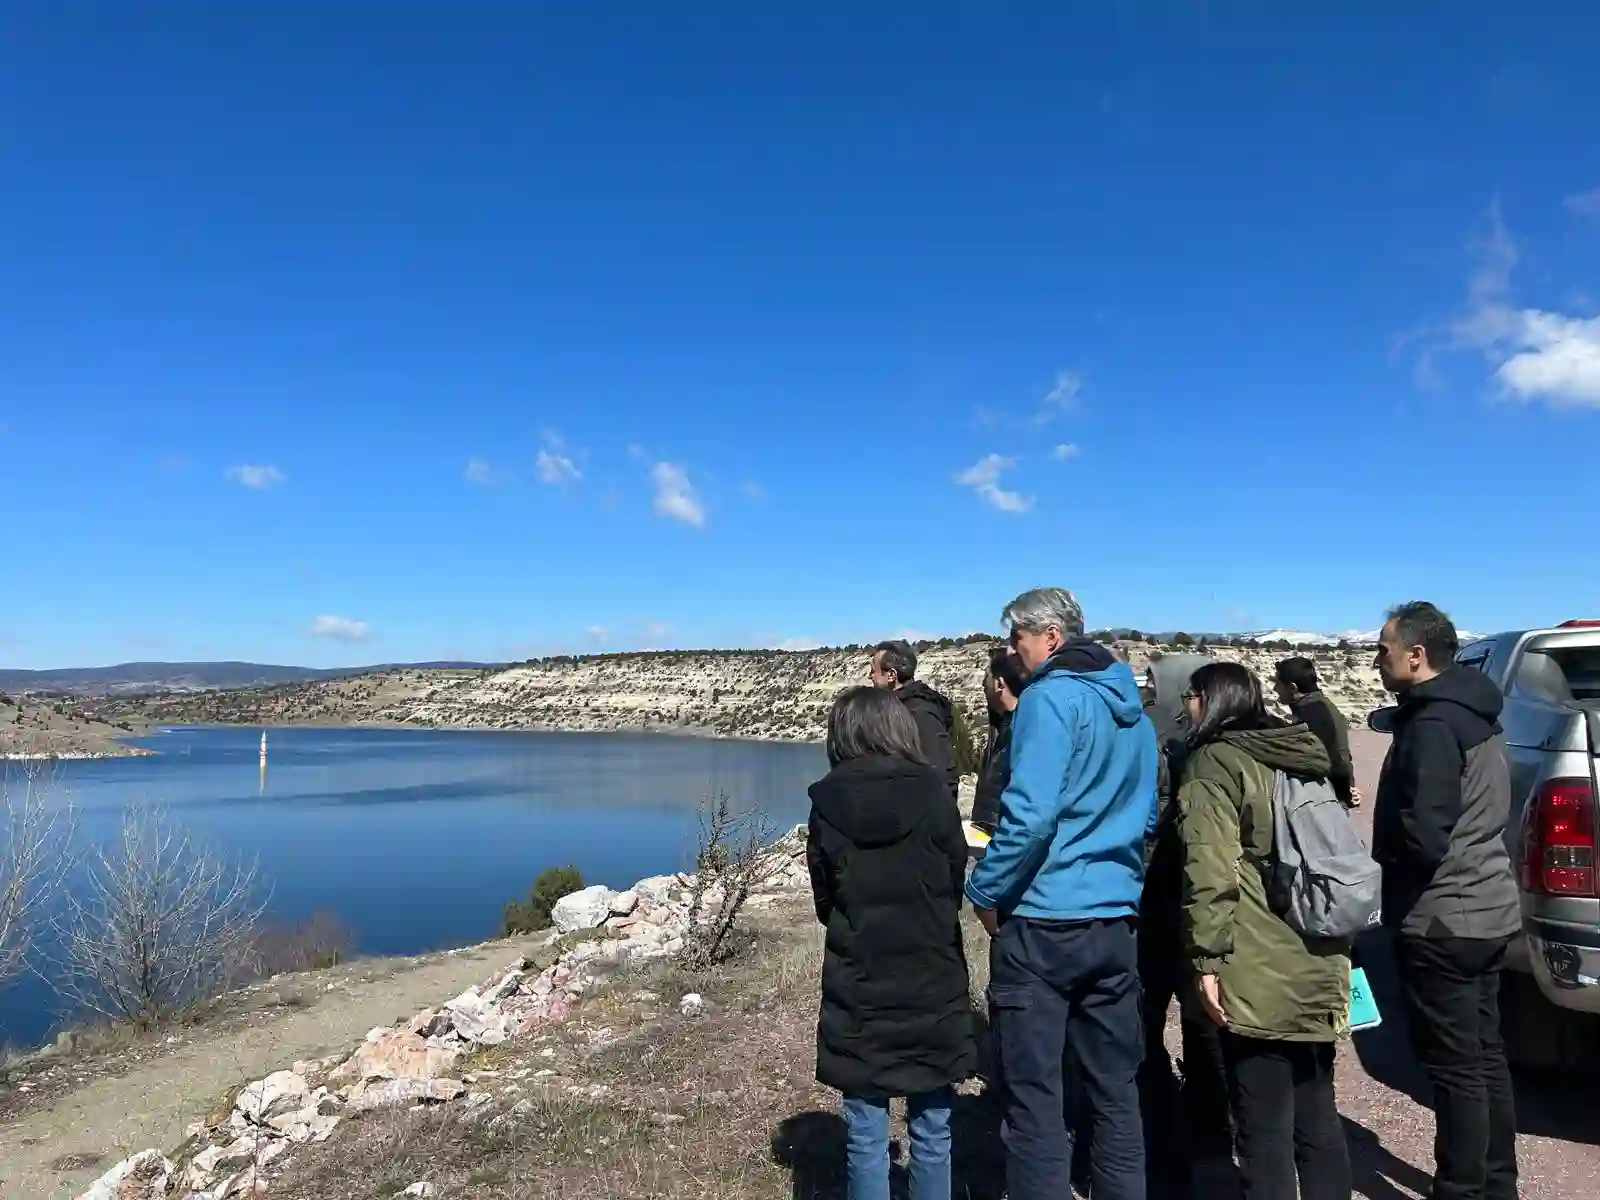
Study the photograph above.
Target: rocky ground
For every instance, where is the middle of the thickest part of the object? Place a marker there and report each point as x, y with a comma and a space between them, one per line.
46, 727
596, 1065
754, 694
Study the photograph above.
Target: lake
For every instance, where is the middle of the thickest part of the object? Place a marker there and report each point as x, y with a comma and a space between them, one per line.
416, 838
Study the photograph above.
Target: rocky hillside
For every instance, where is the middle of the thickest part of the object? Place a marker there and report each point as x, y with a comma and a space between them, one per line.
44, 727
756, 694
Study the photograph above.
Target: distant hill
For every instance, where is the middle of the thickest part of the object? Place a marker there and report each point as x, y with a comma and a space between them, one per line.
126, 678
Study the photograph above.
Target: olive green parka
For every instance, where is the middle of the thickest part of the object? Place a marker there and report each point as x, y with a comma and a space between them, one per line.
1276, 984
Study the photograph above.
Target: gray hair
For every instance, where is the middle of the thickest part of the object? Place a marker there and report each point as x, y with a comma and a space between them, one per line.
1039, 608
869, 720
899, 657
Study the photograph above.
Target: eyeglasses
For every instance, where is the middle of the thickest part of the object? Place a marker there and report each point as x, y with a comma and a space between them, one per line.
1189, 695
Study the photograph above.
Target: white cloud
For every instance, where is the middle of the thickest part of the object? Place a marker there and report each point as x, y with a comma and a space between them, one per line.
1536, 355
553, 464
1065, 451
983, 477
598, 634
340, 629
1061, 399
258, 478
798, 644
675, 495
1585, 204
479, 472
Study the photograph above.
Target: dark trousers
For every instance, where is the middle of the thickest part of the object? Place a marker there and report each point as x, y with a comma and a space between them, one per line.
1195, 1116
1288, 1120
1452, 997
1055, 987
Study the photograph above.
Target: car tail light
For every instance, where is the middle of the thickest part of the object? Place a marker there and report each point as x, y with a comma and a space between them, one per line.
1558, 842
1582, 624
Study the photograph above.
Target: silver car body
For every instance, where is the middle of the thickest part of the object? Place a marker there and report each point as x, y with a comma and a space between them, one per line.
1552, 727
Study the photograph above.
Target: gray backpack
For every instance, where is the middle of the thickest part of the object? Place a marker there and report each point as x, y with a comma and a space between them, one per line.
1321, 879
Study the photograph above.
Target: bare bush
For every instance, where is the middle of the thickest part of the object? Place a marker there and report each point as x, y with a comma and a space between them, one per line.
35, 836
159, 924
730, 863
322, 940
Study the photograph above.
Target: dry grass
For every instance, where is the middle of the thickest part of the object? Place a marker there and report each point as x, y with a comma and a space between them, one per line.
631, 1099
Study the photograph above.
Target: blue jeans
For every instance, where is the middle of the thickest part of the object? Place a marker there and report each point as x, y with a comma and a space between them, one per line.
867, 1145
1056, 987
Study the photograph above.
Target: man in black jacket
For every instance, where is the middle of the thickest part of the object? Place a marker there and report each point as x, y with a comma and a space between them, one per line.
1449, 892
1299, 689
1002, 684
893, 667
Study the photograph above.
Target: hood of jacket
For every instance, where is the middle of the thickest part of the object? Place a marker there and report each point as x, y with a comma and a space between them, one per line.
1169, 676
1094, 665
1466, 700
916, 693
1291, 748
877, 800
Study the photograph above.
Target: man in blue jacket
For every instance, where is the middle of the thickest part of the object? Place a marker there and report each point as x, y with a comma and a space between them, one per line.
1058, 890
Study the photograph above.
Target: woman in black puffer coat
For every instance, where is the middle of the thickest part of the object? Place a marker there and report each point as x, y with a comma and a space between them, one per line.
888, 859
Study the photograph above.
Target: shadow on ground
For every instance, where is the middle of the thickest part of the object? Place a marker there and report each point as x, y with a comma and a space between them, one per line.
1546, 1106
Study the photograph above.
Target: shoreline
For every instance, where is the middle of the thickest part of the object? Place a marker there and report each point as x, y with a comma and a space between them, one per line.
697, 732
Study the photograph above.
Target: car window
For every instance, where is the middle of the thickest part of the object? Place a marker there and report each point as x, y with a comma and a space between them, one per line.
1473, 657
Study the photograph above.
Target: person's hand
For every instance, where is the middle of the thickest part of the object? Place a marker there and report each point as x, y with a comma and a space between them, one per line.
990, 922
1355, 796
1211, 999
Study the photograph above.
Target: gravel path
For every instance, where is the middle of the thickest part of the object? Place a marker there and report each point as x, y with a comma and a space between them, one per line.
152, 1104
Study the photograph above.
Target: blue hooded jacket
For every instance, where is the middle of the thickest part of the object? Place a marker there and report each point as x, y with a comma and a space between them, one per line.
1069, 845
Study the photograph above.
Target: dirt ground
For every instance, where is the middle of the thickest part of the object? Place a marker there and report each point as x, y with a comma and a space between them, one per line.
56, 1148
632, 1099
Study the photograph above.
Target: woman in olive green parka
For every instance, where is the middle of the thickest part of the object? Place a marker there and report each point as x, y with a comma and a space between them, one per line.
1281, 1000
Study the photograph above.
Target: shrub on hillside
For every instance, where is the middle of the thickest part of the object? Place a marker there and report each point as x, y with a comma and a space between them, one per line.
533, 914
966, 754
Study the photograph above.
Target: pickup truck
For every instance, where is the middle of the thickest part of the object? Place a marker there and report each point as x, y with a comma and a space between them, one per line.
1550, 1001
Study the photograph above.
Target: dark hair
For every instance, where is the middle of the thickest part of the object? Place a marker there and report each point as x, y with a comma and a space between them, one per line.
1005, 666
1230, 698
899, 657
1422, 624
1301, 673
868, 720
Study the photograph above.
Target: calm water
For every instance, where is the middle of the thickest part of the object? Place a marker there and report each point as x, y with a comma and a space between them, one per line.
416, 838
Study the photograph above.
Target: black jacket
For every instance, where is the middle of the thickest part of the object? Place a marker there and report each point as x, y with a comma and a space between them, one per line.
1443, 801
1322, 717
887, 859
994, 774
933, 716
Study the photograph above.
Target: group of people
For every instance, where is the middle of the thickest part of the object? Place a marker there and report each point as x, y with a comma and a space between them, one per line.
1131, 835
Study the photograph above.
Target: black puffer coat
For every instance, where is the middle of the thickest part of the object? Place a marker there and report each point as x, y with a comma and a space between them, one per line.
887, 859
934, 717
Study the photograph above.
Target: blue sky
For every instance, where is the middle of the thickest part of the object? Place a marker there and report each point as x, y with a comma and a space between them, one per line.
360, 332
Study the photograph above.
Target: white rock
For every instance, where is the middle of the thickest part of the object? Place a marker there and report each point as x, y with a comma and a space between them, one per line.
623, 903
146, 1174
692, 1005
657, 889
278, 1093
508, 985
583, 910
421, 1188
388, 1093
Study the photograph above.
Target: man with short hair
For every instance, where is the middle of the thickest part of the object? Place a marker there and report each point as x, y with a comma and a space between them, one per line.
1058, 891
1449, 892
893, 667
1002, 686
1297, 687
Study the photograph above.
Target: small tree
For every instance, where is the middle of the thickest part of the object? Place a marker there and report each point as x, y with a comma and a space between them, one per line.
1182, 639
532, 915
730, 862
35, 835
1135, 636
160, 924
966, 754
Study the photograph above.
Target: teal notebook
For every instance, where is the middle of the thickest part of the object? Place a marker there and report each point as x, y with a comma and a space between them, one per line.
1364, 1012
